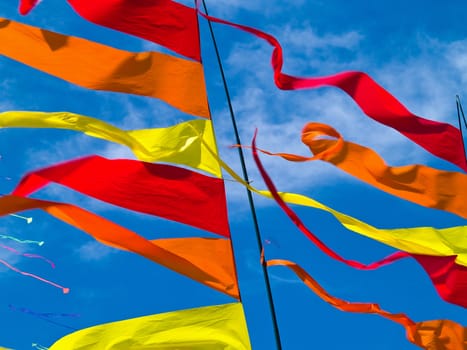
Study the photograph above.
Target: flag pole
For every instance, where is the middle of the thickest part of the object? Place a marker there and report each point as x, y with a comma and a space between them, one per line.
460, 111
246, 179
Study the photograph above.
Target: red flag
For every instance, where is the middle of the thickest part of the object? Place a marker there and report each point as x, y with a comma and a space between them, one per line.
167, 191
165, 22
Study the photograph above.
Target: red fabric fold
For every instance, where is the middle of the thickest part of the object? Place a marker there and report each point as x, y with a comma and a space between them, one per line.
167, 191
165, 22
449, 278
441, 139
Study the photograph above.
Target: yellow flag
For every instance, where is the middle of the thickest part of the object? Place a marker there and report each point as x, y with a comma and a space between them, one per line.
185, 143
204, 328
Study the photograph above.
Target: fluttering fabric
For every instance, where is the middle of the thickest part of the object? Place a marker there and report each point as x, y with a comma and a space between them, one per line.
449, 278
184, 143
166, 191
25, 6
429, 187
417, 240
441, 139
176, 81
204, 328
149, 145
429, 335
192, 257
165, 22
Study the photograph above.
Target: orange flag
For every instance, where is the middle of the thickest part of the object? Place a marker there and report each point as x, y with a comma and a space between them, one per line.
429, 187
177, 81
429, 335
208, 261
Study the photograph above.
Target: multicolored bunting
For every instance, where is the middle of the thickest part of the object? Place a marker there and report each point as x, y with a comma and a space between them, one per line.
449, 279
184, 143
441, 139
177, 81
192, 257
209, 327
429, 187
415, 240
429, 335
166, 191
167, 23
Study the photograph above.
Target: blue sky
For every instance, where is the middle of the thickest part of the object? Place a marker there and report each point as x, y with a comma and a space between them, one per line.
417, 51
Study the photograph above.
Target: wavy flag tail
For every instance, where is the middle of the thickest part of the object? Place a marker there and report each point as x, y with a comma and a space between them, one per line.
449, 278
441, 139
429, 335
426, 186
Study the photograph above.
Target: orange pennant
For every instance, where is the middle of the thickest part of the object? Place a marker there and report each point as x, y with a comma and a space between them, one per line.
208, 261
429, 187
177, 81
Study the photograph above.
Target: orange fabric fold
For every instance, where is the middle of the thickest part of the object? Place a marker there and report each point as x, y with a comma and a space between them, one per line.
429, 187
439, 335
429, 335
177, 81
208, 261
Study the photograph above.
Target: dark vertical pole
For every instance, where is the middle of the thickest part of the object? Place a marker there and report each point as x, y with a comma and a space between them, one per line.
460, 112
245, 177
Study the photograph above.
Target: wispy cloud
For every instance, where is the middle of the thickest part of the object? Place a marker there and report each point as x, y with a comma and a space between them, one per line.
94, 251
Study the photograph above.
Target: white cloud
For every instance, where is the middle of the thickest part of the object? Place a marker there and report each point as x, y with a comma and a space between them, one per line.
94, 251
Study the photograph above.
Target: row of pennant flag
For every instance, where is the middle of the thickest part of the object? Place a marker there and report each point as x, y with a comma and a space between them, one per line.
178, 174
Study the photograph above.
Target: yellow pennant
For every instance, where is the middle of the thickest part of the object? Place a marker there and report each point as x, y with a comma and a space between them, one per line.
185, 143
211, 327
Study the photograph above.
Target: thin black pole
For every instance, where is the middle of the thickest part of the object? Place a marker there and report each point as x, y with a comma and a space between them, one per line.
460, 112
245, 178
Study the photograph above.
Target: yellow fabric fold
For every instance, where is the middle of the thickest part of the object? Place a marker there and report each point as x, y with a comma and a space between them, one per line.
205, 328
177, 81
183, 143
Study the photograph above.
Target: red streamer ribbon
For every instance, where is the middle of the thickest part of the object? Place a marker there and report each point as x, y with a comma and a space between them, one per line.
441, 139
